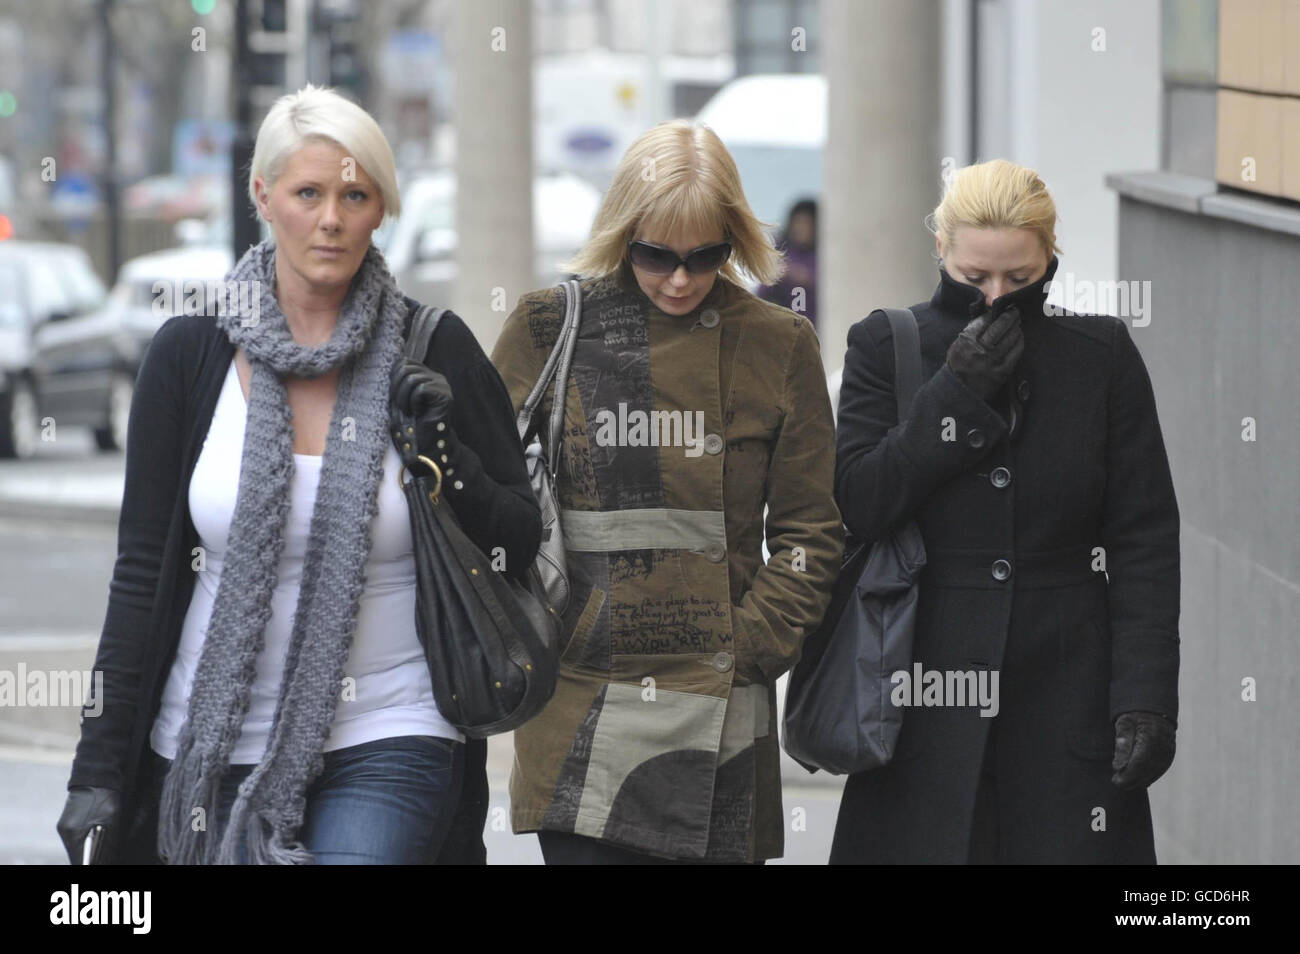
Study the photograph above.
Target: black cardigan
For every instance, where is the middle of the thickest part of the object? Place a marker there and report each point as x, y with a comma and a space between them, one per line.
176, 392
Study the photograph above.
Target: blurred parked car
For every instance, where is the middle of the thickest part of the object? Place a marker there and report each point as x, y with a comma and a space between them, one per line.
40, 282
84, 361
173, 197
420, 247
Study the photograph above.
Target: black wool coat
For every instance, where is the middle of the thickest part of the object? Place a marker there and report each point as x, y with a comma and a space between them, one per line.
1020, 500
176, 392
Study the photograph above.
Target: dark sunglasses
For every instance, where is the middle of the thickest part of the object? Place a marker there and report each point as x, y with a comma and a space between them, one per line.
660, 260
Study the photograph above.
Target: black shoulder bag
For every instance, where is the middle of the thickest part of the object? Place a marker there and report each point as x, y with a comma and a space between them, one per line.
838, 714
492, 643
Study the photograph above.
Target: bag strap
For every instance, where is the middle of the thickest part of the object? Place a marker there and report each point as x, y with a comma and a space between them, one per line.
556, 369
907, 357
423, 325
573, 318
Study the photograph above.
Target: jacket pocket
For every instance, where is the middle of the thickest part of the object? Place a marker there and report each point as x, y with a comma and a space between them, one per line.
573, 653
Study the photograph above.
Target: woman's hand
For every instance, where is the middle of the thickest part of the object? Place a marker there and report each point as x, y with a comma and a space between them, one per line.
420, 392
426, 396
1144, 749
985, 352
86, 808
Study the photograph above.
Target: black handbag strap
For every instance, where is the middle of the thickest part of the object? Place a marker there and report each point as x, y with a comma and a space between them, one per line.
424, 322
907, 357
423, 325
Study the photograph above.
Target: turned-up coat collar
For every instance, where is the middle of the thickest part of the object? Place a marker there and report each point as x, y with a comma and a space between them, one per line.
959, 299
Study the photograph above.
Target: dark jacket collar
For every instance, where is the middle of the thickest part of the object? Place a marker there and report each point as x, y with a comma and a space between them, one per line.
964, 301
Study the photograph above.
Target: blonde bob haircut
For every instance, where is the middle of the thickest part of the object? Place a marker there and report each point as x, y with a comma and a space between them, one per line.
996, 195
678, 175
317, 113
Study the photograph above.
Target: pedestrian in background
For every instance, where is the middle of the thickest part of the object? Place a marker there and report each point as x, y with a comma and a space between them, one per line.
797, 287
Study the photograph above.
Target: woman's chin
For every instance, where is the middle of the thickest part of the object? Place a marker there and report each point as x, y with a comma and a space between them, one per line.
327, 276
670, 307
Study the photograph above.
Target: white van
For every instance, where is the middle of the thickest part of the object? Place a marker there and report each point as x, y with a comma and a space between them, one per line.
774, 125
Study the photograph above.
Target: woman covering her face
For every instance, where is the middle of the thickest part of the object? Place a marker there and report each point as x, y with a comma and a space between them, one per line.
1033, 462
691, 406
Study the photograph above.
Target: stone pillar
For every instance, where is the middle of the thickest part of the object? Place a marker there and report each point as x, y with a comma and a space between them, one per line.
882, 162
492, 63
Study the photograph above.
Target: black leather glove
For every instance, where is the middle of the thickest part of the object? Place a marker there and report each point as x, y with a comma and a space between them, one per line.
84, 809
985, 352
426, 396
1144, 749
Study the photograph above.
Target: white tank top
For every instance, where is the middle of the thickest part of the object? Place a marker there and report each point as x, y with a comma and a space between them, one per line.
387, 691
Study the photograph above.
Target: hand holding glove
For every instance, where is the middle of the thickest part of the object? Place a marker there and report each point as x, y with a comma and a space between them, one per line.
85, 808
985, 352
1144, 749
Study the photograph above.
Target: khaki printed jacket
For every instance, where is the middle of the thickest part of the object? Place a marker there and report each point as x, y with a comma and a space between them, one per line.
662, 734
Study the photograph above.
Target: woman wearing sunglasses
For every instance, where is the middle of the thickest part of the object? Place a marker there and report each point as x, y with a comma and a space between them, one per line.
691, 405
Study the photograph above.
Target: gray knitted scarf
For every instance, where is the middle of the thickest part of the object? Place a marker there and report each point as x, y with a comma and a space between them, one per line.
367, 343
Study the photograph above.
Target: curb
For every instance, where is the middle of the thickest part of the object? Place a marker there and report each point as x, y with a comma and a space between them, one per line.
59, 512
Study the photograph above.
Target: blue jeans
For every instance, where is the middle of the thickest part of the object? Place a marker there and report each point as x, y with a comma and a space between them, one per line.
386, 802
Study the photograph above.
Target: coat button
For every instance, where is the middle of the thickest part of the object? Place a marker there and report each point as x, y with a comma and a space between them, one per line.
722, 662
975, 438
709, 318
1001, 570
715, 552
713, 444
1022, 391
1000, 477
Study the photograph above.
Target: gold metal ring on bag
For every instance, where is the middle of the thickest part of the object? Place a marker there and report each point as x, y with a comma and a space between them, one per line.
437, 472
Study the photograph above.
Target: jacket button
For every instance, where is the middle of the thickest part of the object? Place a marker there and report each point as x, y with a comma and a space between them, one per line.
716, 552
722, 662
713, 444
709, 318
1022, 391
975, 438
1001, 570
1000, 477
